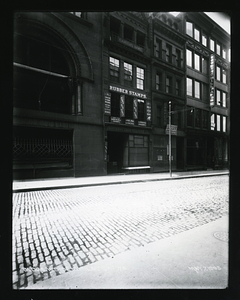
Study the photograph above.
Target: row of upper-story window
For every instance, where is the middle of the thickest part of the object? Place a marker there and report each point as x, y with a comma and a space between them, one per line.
126, 73
168, 53
200, 36
200, 91
199, 118
169, 84
126, 32
201, 63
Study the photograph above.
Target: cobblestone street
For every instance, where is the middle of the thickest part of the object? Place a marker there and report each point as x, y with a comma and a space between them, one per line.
56, 231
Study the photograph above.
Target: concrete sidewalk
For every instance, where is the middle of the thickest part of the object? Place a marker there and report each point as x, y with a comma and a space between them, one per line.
197, 258
57, 183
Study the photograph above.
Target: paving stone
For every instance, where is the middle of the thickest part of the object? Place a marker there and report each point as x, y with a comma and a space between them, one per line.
137, 215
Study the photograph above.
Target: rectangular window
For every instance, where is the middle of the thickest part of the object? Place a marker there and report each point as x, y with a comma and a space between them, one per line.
218, 49
224, 120
189, 87
128, 107
224, 54
114, 69
189, 29
196, 34
204, 65
205, 92
159, 115
224, 99
196, 62
158, 48
218, 122
140, 78
212, 45
190, 114
168, 84
158, 81
128, 33
178, 86
204, 39
212, 121
218, 73
140, 39
197, 89
224, 76
205, 119
218, 97
178, 58
189, 58
141, 110
115, 105
197, 117
168, 54
128, 74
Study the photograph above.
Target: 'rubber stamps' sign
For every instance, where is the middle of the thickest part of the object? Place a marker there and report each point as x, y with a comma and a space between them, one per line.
127, 92
211, 84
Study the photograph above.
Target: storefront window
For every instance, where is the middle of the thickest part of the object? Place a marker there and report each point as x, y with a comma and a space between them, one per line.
141, 110
129, 107
115, 105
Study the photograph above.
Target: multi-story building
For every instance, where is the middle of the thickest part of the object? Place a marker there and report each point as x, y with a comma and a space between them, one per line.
168, 84
92, 92
208, 92
57, 111
127, 92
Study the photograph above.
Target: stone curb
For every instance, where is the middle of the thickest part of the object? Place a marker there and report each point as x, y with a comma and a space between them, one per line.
66, 186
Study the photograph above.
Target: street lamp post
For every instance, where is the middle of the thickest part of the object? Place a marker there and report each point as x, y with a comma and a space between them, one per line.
170, 142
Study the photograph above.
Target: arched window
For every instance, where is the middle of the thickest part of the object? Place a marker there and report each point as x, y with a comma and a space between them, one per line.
42, 73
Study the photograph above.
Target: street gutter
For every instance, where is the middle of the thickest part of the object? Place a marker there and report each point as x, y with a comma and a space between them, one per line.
79, 185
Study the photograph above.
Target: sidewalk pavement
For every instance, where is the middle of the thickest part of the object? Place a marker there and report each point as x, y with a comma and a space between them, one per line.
197, 258
57, 183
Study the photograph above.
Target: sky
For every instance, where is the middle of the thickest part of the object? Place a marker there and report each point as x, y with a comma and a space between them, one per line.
220, 18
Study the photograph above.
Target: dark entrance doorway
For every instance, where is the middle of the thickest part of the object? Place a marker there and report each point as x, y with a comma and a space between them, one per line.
180, 153
116, 144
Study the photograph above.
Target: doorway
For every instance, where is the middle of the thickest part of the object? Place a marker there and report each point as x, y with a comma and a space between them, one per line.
116, 145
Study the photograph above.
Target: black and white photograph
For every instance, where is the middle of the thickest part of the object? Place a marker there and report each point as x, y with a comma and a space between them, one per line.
121, 150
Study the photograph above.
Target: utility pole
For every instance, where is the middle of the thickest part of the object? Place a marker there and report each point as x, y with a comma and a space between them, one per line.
170, 142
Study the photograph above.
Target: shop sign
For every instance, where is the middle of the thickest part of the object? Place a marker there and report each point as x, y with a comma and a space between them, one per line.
115, 120
107, 109
149, 110
127, 92
129, 122
173, 129
142, 123
211, 85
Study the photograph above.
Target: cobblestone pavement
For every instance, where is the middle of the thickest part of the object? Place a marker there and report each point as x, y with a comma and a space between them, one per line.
55, 231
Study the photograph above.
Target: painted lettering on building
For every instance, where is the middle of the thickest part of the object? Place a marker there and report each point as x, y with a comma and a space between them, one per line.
127, 92
211, 84
107, 108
